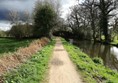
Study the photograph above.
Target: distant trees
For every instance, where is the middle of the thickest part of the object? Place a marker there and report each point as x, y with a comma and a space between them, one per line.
74, 21
106, 7
21, 31
80, 23
46, 18
91, 18
21, 27
115, 28
3, 33
93, 11
14, 17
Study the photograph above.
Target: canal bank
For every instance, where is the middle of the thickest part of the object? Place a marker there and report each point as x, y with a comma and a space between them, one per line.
108, 53
92, 70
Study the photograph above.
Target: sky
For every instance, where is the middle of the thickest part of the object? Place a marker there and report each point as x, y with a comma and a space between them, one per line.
28, 5
66, 4
19, 5
5, 25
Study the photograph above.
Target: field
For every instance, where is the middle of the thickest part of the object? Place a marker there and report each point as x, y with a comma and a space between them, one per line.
11, 45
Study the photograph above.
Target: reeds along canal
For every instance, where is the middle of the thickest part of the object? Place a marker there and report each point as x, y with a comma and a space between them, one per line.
108, 53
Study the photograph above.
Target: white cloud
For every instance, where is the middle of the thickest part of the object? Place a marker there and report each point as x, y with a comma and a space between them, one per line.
29, 4
4, 25
66, 4
19, 5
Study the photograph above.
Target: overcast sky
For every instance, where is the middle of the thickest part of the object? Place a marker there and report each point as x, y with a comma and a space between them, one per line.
19, 5
28, 5
66, 4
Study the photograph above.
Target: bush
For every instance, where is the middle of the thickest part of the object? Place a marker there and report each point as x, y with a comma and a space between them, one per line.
98, 60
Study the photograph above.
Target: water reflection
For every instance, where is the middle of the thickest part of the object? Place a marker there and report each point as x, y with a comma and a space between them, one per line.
108, 53
114, 51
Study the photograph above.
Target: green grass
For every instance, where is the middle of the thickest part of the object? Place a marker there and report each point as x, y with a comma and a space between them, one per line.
34, 70
11, 45
92, 71
115, 42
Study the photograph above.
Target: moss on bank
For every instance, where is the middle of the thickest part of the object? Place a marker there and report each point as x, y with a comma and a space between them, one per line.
33, 71
93, 71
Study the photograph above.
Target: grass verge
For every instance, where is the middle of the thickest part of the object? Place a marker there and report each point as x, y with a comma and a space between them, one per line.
93, 71
33, 71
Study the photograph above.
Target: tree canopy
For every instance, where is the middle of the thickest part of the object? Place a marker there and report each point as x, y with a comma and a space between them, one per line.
44, 19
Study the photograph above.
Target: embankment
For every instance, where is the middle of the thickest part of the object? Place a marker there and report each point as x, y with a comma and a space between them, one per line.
93, 71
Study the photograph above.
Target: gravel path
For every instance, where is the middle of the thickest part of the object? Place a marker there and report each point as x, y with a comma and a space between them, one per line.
62, 70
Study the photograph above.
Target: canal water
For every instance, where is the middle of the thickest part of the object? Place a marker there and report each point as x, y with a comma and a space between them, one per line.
108, 53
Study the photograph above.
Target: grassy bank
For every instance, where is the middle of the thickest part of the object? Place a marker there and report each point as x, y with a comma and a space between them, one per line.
115, 42
11, 45
33, 71
93, 71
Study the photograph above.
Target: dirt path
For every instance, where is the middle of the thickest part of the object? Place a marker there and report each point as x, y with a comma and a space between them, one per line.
62, 70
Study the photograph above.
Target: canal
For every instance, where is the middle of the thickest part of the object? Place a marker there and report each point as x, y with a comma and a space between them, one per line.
108, 53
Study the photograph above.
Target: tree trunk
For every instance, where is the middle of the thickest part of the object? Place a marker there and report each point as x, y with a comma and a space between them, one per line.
93, 28
105, 29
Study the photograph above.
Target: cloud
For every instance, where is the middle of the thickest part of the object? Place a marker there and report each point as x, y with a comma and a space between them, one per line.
5, 26
28, 5
19, 5
66, 4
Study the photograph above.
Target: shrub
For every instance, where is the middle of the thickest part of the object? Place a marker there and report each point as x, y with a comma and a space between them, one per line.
98, 60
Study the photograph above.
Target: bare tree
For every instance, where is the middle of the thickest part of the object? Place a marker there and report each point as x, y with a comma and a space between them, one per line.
92, 14
106, 7
92, 18
14, 17
115, 28
26, 16
21, 26
79, 21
